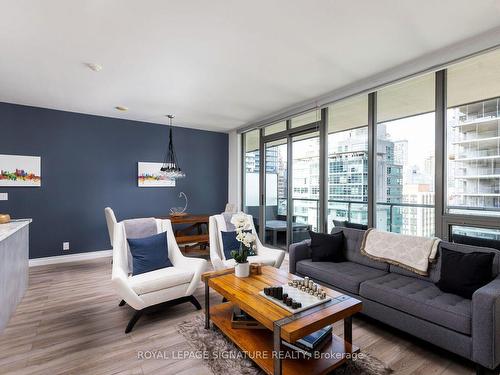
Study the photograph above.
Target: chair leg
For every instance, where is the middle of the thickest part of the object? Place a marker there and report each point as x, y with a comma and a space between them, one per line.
134, 320
122, 303
195, 302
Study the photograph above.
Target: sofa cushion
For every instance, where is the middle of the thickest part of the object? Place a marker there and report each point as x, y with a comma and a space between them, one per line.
421, 299
160, 279
352, 246
345, 275
432, 277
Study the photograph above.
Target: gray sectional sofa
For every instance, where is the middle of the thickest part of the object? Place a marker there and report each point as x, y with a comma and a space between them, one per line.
412, 303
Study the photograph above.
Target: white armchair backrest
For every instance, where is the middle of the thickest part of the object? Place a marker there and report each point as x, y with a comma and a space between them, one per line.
120, 252
121, 248
217, 223
111, 223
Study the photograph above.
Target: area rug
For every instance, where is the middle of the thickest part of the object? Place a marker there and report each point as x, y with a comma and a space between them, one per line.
223, 357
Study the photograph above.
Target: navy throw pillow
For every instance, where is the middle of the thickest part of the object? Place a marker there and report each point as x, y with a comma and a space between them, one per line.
348, 224
149, 253
327, 247
464, 273
230, 243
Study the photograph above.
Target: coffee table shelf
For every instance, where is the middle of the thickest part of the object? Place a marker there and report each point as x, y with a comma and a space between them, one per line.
261, 341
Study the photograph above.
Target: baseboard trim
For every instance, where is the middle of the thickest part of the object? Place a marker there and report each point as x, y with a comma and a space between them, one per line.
70, 258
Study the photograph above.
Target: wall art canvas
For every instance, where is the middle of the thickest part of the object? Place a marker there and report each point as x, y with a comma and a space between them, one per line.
18, 170
148, 175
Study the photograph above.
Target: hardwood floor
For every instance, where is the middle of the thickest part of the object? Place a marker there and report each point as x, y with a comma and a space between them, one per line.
69, 322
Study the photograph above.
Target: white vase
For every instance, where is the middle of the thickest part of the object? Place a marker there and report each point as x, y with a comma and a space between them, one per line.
242, 269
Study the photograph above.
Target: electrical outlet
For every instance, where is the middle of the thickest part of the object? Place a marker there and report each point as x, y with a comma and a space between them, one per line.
4, 196
65, 246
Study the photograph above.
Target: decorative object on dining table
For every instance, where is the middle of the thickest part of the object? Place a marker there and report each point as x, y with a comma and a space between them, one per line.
180, 211
4, 218
246, 239
298, 295
170, 167
20, 171
148, 175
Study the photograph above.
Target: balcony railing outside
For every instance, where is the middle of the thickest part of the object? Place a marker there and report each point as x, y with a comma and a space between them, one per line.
399, 218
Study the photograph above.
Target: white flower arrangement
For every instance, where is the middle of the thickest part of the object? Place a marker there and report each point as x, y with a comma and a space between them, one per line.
244, 235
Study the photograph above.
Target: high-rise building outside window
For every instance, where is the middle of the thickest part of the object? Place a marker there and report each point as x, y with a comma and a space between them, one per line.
348, 162
473, 136
405, 157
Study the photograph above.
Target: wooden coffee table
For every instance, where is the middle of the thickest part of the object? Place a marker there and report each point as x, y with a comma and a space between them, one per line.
264, 346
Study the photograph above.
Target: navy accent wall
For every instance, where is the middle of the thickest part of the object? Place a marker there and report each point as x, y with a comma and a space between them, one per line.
90, 162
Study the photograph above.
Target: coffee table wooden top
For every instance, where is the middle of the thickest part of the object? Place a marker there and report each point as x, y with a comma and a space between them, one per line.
244, 292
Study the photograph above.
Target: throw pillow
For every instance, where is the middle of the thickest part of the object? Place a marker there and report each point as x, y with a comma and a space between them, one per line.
464, 273
149, 253
348, 224
230, 243
327, 247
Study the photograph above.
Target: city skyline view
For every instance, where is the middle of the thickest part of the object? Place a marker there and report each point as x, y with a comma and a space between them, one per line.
404, 178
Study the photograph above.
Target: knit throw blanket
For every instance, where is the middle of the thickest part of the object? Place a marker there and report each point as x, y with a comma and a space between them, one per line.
409, 252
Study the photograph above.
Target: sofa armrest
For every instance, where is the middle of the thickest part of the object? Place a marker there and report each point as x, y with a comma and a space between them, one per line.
486, 325
298, 251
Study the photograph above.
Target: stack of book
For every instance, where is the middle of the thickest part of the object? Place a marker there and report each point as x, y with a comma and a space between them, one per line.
312, 343
241, 319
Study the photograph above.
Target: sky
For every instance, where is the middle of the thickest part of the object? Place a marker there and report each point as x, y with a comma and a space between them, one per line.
419, 131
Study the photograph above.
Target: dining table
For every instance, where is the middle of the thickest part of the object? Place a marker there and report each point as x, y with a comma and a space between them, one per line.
190, 230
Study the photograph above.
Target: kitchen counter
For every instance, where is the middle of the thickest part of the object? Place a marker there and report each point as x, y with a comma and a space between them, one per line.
14, 254
8, 229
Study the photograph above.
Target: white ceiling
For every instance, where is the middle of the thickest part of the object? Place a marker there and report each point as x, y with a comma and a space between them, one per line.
216, 64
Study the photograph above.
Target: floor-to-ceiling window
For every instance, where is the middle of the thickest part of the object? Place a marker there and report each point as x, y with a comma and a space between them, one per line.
305, 185
333, 188
276, 192
251, 163
347, 163
473, 150
473, 134
405, 158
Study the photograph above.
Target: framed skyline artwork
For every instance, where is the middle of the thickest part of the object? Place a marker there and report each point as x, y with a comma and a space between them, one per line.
20, 171
148, 175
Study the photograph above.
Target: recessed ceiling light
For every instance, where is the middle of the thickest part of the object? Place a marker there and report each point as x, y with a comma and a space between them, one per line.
94, 67
121, 108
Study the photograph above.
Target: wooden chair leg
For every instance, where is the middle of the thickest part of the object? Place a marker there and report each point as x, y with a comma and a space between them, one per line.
134, 320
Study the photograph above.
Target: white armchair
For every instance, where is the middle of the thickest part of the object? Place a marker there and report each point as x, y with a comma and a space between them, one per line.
171, 285
110, 222
265, 255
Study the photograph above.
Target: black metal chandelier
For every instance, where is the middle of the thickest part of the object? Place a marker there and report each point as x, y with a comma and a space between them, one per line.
170, 167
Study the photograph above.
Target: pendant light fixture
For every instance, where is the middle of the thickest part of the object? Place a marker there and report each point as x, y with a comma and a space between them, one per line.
170, 167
